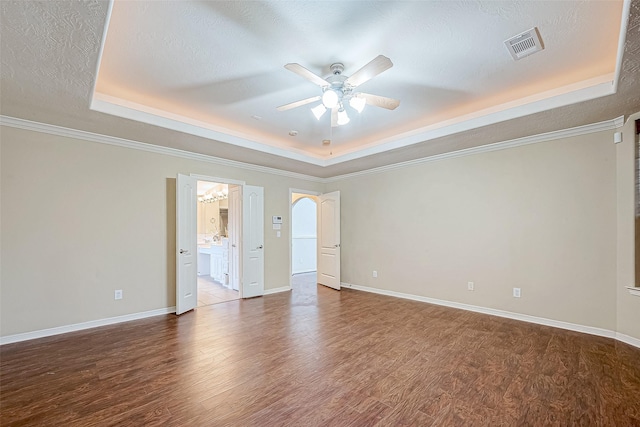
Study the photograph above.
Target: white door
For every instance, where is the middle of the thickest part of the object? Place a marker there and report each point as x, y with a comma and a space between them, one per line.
235, 232
329, 240
252, 241
186, 244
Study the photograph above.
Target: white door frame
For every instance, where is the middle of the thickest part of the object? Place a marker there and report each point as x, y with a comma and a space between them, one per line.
221, 181
291, 191
235, 236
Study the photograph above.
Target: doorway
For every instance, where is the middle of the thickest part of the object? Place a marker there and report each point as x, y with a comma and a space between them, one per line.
217, 230
246, 254
304, 243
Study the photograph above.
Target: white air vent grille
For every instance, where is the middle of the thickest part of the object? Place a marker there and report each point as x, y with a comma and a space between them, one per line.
524, 44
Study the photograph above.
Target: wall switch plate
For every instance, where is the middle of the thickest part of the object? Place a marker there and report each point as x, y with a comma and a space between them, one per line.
516, 292
375, 273
278, 233
470, 286
118, 294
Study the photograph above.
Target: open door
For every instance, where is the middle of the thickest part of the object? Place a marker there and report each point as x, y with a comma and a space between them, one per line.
235, 235
187, 248
252, 241
329, 240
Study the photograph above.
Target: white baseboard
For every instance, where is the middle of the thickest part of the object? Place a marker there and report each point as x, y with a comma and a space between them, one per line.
501, 313
628, 340
276, 290
103, 322
84, 325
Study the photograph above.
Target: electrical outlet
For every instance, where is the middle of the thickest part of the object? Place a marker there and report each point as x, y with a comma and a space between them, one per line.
375, 273
516, 292
118, 294
470, 286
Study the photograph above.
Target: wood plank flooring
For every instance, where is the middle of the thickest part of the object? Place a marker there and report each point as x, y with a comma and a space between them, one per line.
319, 357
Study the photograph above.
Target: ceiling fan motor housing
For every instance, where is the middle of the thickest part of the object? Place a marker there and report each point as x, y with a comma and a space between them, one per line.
337, 68
337, 81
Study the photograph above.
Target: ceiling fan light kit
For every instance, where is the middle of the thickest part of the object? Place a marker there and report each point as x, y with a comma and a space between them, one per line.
319, 110
338, 88
357, 103
343, 118
330, 98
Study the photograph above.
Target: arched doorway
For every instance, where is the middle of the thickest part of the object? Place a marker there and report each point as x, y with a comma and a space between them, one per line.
303, 234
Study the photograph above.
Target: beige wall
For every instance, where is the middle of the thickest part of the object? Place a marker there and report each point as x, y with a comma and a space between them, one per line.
540, 217
81, 219
553, 218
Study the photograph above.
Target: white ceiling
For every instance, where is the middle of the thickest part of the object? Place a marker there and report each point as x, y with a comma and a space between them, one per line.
193, 75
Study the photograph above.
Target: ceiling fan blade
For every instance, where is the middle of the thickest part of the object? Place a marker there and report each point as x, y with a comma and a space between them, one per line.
334, 117
379, 64
298, 103
303, 72
380, 101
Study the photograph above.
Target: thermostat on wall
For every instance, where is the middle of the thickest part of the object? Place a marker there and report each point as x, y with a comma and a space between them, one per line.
277, 219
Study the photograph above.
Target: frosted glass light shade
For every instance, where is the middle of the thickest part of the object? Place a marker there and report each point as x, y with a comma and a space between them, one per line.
330, 98
318, 111
343, 118
358, 103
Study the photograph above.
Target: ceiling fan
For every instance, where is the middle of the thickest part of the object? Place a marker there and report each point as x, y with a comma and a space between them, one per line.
339, 89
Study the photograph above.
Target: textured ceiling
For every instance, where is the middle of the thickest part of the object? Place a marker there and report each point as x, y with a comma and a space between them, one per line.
221, 62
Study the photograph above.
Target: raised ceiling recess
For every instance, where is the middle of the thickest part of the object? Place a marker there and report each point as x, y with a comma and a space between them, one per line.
207, 76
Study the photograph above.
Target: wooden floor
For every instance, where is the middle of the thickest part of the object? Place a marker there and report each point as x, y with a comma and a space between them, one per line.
319, 357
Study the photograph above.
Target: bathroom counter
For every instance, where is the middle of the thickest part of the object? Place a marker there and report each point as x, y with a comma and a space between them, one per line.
213, 260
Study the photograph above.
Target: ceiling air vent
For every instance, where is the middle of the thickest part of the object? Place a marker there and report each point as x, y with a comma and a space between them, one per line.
524, 44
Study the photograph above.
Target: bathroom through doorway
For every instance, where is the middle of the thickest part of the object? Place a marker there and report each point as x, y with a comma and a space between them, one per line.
217, 233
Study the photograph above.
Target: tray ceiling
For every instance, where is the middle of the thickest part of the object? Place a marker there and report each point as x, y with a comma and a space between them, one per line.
207, 76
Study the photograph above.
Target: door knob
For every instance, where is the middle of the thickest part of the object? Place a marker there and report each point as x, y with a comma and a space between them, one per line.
336, 246
260, 247
184, 251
